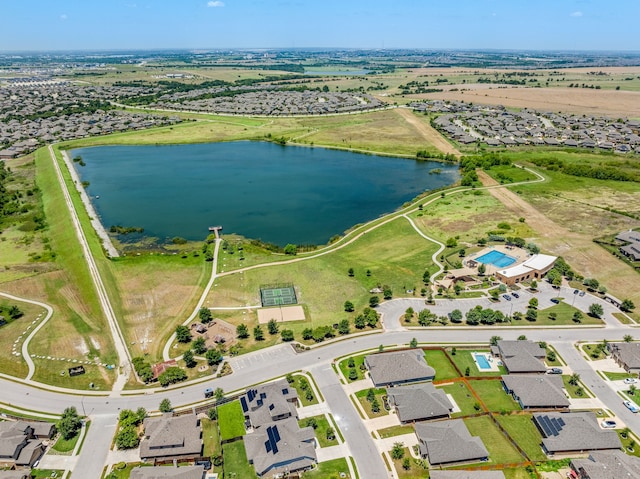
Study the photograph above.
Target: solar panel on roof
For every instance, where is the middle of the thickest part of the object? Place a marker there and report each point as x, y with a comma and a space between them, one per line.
561, 421
274, 437
276, 433
285, 391
243, 403
267, 445
557, 425
545, 424
251, 394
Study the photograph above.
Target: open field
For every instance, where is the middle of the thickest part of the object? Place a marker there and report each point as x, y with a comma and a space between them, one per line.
493, 395
524, 432
13, 334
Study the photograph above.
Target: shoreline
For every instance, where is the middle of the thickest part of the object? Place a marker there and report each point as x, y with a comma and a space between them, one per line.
93, 215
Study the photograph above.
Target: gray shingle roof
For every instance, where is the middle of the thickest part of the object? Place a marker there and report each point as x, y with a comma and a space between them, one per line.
420, 401
628, 353
168, 436
578, 431
522, 356
446, 442
294, 447
173, 472
14, 475
536, 391
398, 367
269, 402
608, 465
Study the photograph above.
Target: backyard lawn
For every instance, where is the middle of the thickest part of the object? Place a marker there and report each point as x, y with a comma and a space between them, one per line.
525, 433
236, 464
211, 440
329, 470
439, 361
231, 420
464, 399
494, 396
501, 451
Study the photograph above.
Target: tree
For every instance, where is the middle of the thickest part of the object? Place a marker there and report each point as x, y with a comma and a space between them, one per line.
462, 253
627, 338
371, 316
69, 423
214, 357
522, 337
15, 312
494, 340
368, 272
343, 327
533, 303
183, 335
291, 249
413, 343
627, 305
330, 434
467, 371
272, 327
351, 273
212, 413
371, 395
348, 306
596, 310
199, 346
307, 333
457, 288
258, 334
127, 438
408, 314
577, 317
426, 277
456, 316
551, 356
218, 394
574, 379
375, 406
353, 374
374, 301
205, 315
534, 284
188, 359
632, 390
451, 243
397, 451
406, 464
286, 335
482, 269
172, 375
387, 293
165, 405
242, 331
532, 315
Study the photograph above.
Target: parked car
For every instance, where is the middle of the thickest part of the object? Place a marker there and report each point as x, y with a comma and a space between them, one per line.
631, 406
630, 380
608, 424
515, 295
208, 393
507, 297
581, 293
575, 291
555, 300
554, 371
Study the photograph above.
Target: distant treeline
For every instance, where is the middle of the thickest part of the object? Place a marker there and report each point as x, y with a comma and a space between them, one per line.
584, 170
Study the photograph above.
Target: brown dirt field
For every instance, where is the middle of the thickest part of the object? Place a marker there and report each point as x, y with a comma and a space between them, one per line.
430, 134
287, 313
576, 100
586, 257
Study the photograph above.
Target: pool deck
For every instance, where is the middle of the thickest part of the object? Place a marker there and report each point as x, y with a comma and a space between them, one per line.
493, 362
519, 254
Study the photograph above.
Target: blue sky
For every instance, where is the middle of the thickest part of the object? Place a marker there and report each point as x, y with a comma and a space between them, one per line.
461, 24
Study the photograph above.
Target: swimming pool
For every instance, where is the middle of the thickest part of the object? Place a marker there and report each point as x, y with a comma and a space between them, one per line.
482, 361
496, 258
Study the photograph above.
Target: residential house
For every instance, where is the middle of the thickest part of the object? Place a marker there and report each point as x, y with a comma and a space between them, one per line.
419, 402
18, 445
15, 474
400, 367
606, 465
449, 442
280, 448
536, 391
627, 355
169, 437
574, 433
168, 472
269, 402
520, 356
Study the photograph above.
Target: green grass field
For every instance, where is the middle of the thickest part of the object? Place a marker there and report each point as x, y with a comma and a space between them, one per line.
615, 376
361, 396
332, 469
211, 440
302, 397
463, 397
235, 461
358, 362
494, 396
321, 430
501, 451
524, 432
438, 360
231, 420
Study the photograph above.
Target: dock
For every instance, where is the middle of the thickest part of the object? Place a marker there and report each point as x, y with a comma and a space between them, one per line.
216, 230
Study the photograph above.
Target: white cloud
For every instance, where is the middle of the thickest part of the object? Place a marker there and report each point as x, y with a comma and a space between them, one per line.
576, 14
63, 16
215, 3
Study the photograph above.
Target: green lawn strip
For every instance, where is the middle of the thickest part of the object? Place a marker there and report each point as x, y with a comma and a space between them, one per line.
211, 439
618, 376
553, 466
577, 391
463, 397
464, 360
353, 465
335, 427
64, 446
564, 317
123, 471
525, 434
42, 473
629, 443
329, 470
558, 361
302, 394
321, 430
235, 461
417, 468
231, 420
494, 396
439, 361
379, 393
395, 431
592, 352
358, 362
501, 451
624, 318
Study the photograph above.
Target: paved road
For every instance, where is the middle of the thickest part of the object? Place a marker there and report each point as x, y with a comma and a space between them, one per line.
96, 446
124, 358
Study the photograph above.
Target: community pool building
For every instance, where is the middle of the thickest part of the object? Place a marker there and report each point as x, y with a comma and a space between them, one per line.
533, 268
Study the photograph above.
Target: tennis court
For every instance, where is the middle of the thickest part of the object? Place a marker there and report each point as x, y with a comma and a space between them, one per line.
278, 295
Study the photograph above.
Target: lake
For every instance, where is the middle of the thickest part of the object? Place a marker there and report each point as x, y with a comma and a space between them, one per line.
278, 194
